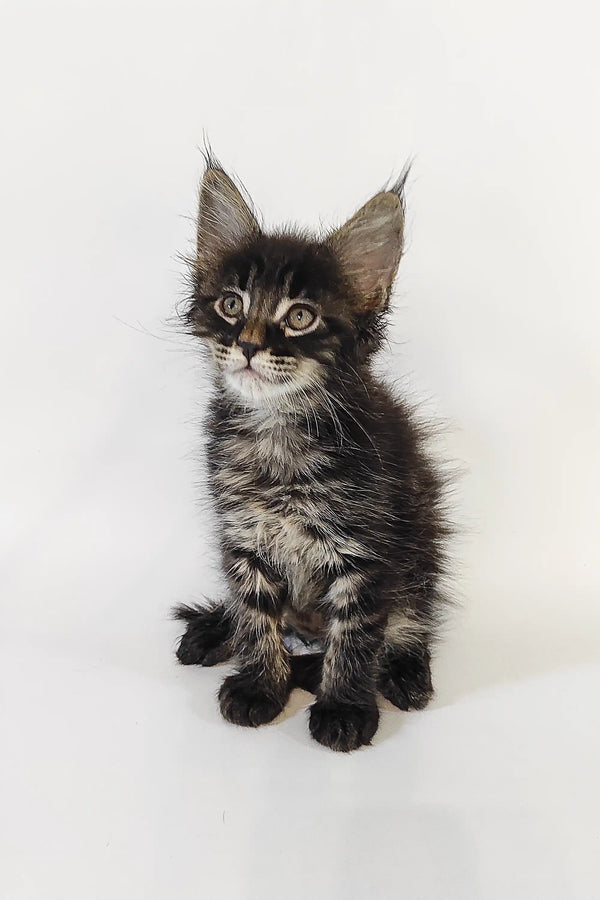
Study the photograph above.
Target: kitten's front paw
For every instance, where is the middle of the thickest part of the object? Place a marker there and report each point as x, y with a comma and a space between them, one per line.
343, 726
244, 702
206, 641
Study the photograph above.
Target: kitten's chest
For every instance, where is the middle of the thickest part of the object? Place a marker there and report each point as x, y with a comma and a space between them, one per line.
282, 521
275, 497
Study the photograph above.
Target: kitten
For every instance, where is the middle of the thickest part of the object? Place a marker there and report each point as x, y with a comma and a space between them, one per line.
330, 512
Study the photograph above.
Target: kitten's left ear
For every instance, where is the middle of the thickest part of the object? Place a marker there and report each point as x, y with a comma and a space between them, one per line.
225, 221
370, 246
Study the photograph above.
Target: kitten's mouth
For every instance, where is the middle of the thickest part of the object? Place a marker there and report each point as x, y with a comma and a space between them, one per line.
250, 373
260, 383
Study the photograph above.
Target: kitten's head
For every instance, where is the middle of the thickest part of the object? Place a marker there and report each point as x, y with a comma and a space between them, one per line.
283, 313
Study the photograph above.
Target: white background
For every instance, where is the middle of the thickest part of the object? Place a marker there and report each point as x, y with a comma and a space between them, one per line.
119, 778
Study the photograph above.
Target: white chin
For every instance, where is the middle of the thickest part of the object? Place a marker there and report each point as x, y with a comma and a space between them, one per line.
253, 390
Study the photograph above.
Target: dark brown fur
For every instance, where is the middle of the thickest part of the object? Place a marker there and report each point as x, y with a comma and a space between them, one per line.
330, 511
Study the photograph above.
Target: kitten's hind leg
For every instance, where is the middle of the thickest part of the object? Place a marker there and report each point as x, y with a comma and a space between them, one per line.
405, 676
208, 636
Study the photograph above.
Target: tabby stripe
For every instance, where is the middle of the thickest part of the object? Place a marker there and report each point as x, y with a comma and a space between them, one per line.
254, 561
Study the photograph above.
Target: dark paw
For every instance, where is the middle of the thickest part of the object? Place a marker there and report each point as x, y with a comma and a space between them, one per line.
244, 701
405, 679
206, 641
343, 726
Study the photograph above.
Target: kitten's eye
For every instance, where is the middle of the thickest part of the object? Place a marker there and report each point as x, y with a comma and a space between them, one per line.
300, 317
230, 306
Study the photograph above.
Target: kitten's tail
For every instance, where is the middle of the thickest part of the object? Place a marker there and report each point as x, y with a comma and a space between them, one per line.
306, 671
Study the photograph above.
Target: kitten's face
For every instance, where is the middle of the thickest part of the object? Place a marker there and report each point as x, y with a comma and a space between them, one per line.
280, 313
275, 320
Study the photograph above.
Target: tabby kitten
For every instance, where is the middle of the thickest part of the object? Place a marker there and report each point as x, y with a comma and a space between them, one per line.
329, 510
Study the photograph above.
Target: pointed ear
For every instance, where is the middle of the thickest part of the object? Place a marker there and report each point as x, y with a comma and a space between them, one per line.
369, 246
224, 218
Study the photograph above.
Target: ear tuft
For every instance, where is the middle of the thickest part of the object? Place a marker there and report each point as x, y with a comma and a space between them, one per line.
225, 219
370, 244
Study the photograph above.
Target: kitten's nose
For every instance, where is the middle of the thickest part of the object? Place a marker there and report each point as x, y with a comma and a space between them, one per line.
248, 348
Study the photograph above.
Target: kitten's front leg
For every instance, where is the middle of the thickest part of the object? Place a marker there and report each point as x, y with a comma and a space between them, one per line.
345, 715
258, 692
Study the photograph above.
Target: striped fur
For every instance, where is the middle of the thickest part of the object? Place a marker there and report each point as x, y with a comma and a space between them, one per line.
329, 509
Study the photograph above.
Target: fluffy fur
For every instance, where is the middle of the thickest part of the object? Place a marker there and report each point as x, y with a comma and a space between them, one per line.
329, 509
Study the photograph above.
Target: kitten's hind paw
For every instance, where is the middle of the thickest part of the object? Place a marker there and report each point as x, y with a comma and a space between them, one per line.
405, 679
207, 639
244, 701
343, 726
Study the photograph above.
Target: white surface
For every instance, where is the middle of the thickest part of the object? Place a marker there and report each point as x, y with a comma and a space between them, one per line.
119, 780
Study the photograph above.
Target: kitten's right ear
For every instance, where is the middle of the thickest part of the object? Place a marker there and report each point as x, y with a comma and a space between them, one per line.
225, 221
